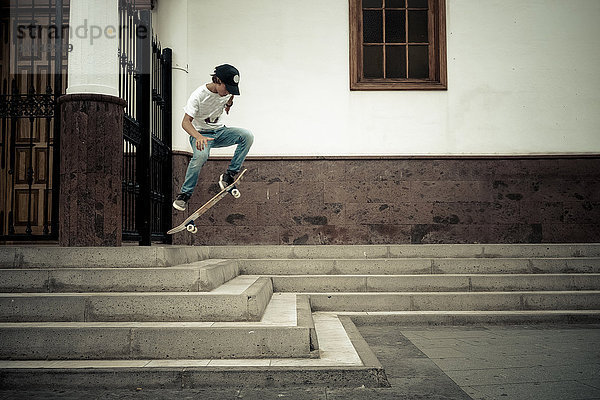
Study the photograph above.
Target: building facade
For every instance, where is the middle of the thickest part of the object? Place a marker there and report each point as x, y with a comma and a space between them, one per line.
494, 138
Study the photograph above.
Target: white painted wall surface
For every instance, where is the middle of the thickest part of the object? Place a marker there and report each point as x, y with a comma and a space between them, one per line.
93, 65
523, 79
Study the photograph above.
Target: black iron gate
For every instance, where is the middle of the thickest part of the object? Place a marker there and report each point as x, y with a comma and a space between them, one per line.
145, 84
33, 54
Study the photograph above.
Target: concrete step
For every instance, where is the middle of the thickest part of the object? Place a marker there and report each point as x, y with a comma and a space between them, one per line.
284, 331
457, 318
459, 301
411, 266
193, 277
163, 256
126, 340
408, 251
344, 359
100, 257
242, 299
435, 283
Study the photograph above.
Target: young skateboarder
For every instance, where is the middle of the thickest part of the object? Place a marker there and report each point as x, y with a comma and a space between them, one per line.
201, 121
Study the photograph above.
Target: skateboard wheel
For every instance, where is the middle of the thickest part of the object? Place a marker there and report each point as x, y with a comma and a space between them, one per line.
190, 228
195, 230
236, 193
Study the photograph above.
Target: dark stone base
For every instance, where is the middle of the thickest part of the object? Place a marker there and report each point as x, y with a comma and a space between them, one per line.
91, 149
399, 200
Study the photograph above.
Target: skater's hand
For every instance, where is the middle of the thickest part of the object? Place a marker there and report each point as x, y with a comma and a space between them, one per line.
202, 141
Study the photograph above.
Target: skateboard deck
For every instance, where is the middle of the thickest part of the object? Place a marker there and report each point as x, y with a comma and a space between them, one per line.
189, 221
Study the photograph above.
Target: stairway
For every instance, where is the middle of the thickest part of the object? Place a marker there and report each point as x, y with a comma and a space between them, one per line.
270, 315
437, 284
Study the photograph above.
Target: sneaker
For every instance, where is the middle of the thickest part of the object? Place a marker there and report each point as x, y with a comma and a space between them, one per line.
227, 179
181, 202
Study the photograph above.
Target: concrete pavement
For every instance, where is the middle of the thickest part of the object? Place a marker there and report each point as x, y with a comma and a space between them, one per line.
489, 362
517, 362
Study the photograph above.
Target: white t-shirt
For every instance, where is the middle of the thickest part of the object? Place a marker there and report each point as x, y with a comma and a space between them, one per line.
206, 108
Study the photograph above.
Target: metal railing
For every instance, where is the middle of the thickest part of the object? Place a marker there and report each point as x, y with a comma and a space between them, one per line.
145, 83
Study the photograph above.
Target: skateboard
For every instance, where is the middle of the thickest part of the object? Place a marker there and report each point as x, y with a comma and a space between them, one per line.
188, 223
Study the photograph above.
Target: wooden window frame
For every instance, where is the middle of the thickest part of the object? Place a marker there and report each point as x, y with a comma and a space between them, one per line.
437, 80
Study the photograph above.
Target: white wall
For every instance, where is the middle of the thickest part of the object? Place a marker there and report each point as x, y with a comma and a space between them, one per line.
92, 66
523, 79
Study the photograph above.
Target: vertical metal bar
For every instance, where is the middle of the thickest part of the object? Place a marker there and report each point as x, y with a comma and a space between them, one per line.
131, 56
431, 39
30, 172
12, 150
384, 47
17, 105
167, 87
15, 93
406, 27
4, 127
31, 93
58, 84
143, 94
46, 204
51, 98
130, 53
159, 161
121, 54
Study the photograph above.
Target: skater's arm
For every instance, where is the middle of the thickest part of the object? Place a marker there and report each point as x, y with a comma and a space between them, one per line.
229, 104
187, 126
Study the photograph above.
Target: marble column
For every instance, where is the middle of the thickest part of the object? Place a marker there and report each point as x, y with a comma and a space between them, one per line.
91, 142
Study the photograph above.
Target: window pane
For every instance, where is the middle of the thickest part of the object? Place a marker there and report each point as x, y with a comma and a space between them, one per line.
417, 27
418, 61
373, 61
394, 4
372, 3
417, 3
395, 27
372, 26
395, 61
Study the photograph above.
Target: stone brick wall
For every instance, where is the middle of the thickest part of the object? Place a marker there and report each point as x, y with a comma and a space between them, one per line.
399, 200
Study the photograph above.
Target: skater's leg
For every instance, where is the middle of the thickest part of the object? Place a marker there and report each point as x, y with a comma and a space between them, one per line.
243, 138
193, 170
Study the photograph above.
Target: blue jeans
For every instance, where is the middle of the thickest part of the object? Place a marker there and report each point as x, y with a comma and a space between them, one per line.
224, 137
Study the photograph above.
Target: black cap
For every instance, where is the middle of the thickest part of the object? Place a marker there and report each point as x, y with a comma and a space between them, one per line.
230, 76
